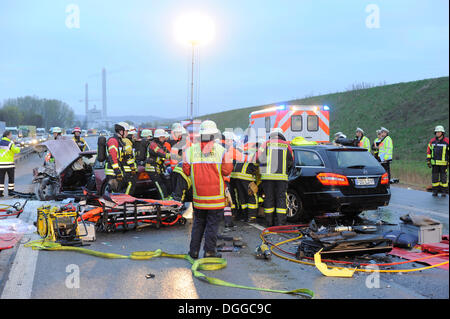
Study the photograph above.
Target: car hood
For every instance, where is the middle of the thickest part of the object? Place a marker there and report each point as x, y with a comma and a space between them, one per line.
64, 151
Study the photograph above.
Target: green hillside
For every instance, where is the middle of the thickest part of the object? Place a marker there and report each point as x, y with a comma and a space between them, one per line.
409, 110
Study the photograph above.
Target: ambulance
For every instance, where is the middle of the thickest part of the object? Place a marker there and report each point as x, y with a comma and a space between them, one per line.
312, 122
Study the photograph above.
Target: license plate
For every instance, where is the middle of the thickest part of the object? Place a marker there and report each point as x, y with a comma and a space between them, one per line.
364, 181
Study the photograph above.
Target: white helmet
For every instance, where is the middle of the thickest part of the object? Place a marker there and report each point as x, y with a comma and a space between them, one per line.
120, 125
358, 129
183, 131
439, 128
132, 130
276, 131
208, 128
383, 129
177, 128
56, 129
229, 135
159, 133
146, 133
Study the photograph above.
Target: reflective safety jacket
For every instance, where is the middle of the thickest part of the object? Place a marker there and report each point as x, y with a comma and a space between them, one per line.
385, 149
81, 142
7, 151
364, 142
115, 150
129, 161
437, 151
156, 155
246, 171
206, 164
275, 158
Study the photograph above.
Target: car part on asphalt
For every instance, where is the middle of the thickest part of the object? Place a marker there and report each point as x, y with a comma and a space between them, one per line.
298, 229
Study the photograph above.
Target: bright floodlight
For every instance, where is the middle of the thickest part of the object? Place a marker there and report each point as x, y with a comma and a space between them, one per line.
194, 28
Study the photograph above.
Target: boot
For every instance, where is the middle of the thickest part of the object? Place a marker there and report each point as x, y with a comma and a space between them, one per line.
212, 254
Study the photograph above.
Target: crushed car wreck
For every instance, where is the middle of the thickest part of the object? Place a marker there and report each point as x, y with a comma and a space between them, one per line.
65, 171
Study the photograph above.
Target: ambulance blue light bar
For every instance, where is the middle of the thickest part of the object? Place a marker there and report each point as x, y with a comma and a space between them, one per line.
326, 108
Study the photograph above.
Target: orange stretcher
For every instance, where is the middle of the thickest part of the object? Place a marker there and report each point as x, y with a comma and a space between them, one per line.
114, 211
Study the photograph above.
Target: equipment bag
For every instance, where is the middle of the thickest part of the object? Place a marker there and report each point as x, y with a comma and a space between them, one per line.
101, 149
401, 239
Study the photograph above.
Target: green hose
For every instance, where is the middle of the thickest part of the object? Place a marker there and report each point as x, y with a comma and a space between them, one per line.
210, 263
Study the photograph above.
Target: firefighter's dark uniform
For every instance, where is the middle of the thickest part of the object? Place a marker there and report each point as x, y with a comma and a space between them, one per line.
275, 158
438, 158
81, 143
115, 148
154, 166
182, 185
246, 204
129, 166
7, 166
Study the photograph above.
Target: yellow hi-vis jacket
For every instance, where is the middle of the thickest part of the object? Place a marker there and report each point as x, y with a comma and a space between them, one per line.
7, 151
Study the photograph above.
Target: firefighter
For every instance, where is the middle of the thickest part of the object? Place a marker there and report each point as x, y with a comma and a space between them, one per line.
81, 142
362, 140
385, 150
438, 160
176, 134
243, 176
141, 150
154, 165
206, 164
129, 162
181, 184
275, 159
376, 145
115, 147
7, 166
228, 141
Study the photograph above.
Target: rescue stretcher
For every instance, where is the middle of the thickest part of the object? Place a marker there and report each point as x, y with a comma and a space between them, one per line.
114, 211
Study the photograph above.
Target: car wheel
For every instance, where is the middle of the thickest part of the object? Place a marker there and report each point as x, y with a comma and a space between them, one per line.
45, 190
106, 188
295, 210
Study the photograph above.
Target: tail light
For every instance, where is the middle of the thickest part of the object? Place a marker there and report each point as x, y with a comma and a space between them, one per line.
385, 179
143, 176
331, 179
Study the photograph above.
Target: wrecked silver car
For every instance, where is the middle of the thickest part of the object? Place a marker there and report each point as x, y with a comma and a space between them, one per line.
65, 172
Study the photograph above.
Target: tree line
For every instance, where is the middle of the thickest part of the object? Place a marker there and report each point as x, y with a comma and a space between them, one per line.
31, 110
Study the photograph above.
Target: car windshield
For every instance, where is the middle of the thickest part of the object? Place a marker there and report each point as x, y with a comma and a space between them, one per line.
353, 159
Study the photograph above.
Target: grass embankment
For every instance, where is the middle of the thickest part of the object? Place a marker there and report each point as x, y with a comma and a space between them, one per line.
409, 110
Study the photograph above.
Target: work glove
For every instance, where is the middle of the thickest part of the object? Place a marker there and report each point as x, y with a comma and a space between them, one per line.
429, 164
118, 172
252, 188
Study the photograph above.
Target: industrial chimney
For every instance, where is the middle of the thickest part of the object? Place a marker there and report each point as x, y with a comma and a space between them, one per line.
104, 93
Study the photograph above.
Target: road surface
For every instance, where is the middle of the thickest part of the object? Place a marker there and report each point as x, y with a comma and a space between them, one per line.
25, 273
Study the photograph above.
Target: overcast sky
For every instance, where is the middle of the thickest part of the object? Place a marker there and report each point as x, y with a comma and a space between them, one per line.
263, 50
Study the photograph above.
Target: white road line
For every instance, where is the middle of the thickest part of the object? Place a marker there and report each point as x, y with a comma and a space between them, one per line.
419, 210
21, 276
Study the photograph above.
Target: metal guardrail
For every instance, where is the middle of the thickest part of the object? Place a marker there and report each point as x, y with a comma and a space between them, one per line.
24, 154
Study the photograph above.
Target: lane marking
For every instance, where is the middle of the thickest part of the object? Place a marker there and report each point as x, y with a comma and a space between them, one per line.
419, 210
20, 279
